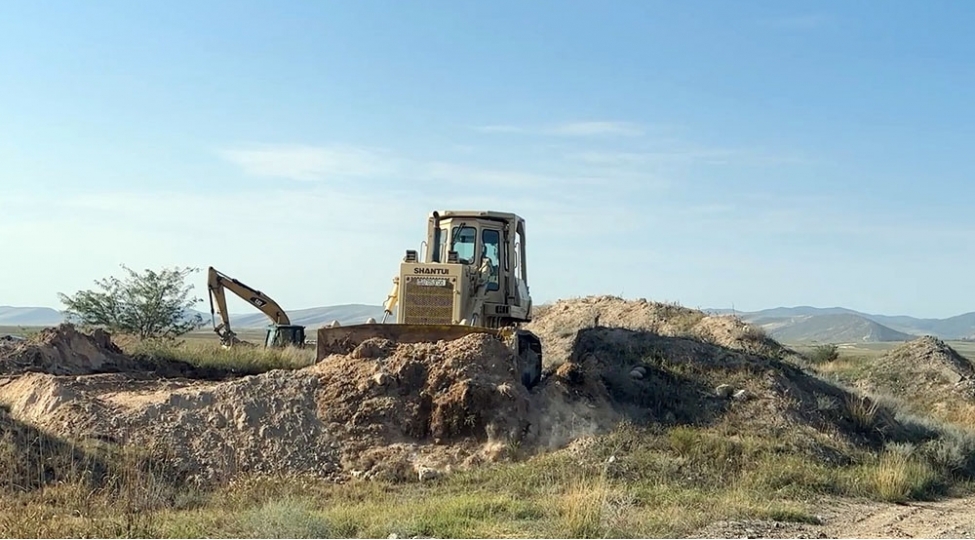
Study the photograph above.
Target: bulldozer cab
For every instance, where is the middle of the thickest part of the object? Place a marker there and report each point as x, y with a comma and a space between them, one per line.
284, 335
492, 241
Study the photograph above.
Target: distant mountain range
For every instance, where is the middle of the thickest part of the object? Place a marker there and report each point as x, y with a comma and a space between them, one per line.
802, 324
311, 318
842, 325
29, 316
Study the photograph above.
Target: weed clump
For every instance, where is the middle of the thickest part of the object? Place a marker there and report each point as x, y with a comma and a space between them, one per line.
823, 354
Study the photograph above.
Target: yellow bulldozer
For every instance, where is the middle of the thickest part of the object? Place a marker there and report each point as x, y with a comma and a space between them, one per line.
472, 278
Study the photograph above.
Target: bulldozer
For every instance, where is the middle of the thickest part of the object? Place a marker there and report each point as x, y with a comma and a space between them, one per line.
280, 333
471, 278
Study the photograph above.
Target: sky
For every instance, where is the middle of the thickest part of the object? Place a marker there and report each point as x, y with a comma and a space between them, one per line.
718, 154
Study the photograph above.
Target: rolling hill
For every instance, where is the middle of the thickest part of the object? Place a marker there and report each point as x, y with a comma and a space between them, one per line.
29, 316
312, 317
807, 327
837, 327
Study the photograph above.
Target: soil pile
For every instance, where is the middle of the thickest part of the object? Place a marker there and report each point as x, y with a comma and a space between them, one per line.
617, 373
416, 410
384, 411
31, 458
558, 323
403, 409
924, 367
63, 350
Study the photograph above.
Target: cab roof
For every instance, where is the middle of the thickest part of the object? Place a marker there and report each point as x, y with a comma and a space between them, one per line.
484, 214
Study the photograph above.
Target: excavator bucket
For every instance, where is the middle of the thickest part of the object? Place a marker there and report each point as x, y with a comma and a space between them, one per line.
344, 339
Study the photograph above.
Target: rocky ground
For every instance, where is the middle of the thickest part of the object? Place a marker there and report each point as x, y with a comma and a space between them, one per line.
862, 519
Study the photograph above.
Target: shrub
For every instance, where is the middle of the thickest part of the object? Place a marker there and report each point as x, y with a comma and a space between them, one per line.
823, 354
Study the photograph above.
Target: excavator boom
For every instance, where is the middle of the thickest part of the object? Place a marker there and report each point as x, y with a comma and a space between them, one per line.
282, 328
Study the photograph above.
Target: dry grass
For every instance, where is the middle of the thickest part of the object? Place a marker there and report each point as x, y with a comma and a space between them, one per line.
862, 411
899, 477
634, 482
240, 359
855, 368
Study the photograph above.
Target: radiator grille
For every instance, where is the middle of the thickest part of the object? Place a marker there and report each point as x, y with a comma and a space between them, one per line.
428, 301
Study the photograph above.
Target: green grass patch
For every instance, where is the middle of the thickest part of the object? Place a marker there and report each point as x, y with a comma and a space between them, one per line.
241, 359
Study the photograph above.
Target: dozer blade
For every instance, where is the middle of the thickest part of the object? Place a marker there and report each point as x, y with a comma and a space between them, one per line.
344, 339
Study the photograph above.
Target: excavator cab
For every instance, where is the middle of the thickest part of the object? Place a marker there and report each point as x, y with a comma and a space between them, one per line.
284, 335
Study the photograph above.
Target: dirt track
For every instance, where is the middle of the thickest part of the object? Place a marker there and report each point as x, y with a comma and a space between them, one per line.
841, 518
943, 519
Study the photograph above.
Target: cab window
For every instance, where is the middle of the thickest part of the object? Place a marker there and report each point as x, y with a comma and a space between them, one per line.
491, 242
463, 239
441, 247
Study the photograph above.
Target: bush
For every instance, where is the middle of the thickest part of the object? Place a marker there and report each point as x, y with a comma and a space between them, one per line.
824, 354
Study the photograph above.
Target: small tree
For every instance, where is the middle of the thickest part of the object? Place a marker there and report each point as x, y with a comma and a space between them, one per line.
149, 305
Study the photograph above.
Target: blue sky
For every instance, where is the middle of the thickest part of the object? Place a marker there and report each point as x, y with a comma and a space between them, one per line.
752, 154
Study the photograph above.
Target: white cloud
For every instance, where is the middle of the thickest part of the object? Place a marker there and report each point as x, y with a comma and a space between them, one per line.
547, 175
688, 154
586, 129
570, 129
310, 163
497, 179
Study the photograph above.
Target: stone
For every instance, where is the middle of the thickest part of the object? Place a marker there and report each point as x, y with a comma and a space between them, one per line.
724, 391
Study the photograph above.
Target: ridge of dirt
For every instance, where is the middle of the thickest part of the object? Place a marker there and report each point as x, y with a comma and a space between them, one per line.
557, 324
417, 410
681, 380
925, 367
931, 353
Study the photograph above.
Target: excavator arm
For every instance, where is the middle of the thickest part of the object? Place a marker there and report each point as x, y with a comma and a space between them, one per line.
217, 282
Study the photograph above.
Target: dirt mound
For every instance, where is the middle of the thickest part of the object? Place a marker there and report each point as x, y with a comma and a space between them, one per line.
63, 350
383, 411
31, 458
408, 411
208, 431
558, 323
926, 369
930, 358
645, 377
412, 406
